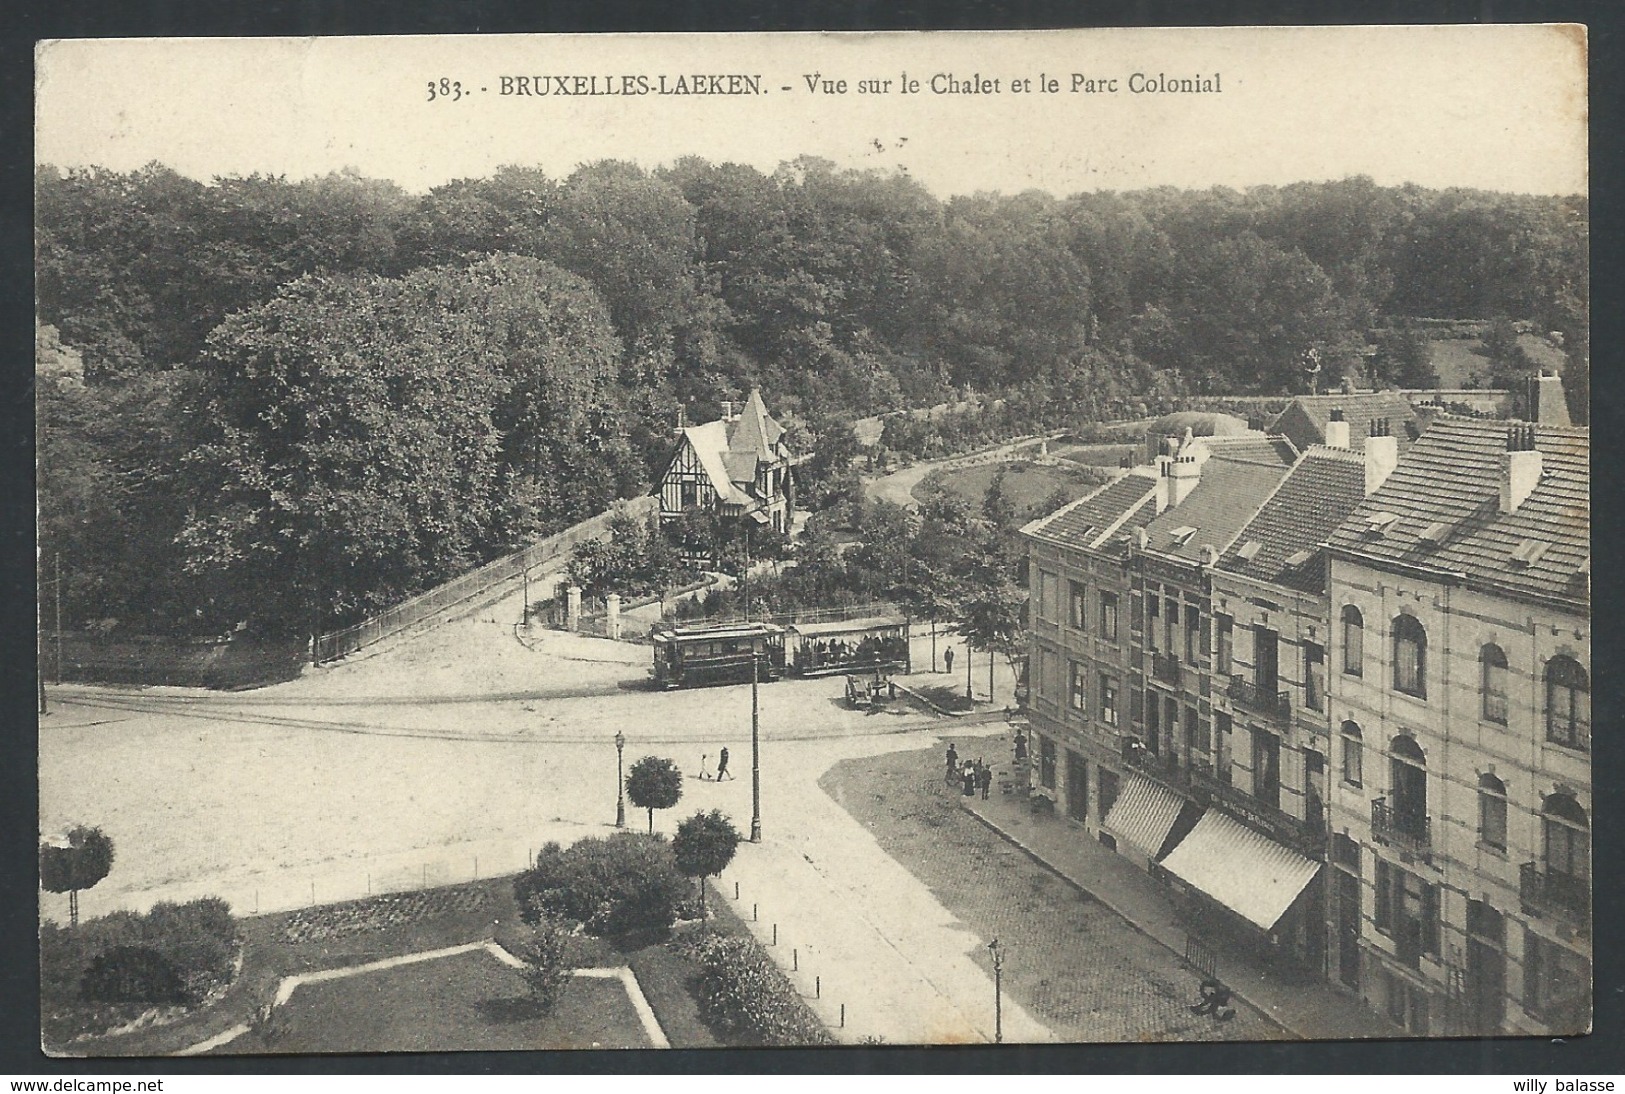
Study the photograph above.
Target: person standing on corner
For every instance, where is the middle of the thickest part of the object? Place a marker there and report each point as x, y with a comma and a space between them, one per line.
948, 660
984, 779
953, 763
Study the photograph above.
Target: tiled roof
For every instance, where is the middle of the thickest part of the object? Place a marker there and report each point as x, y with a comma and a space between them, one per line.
1229, 493
1257, 447
1317, 495
1445, 500
1304, 420
1086, 522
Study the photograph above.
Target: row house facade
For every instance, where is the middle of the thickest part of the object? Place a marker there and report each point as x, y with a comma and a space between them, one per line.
1254, 735
1460, 701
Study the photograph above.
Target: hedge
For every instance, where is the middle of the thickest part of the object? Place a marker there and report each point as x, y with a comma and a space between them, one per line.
745, 997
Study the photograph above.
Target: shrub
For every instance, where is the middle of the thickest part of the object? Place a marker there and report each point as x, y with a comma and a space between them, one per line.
744, 996
133, 974
626, 882
548, 957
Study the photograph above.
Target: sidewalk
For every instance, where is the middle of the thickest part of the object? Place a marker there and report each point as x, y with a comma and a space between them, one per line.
1312, 1011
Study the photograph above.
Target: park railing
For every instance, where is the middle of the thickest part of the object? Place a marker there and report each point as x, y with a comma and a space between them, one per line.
472, 588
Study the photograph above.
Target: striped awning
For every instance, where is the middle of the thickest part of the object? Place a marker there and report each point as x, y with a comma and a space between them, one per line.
1144, 814
1248, 873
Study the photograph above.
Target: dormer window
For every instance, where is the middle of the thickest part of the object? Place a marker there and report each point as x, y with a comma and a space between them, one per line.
1249, 550
1434, 533
1182, 535
1299, 558
1529, 551
1379, 524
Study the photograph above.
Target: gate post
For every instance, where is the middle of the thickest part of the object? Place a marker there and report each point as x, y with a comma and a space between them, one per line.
572, 610
612, 615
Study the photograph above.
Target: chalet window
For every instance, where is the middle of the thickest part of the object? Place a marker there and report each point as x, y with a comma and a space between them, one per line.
1079, 688
1492, 812
1353, 754
1314, 676
1492, 663
1410, 656
1108, 699
1568, 703
1078, 615
1108, 616
1353, 641
690, 494
1227, 647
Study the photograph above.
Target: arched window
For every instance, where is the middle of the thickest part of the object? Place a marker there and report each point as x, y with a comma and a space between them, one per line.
1353, 754
1492, 812
1353, 641
1566, 837
1410, 656
1408, 790
1492, 663
1568, 703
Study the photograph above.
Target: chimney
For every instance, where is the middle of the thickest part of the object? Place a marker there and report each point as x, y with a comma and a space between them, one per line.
1547, 404
1337, 430
1179, 473
682, 418
1520, 467
1381, 454
728, 414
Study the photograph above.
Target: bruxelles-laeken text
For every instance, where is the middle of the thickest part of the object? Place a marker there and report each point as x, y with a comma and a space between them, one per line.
942, 83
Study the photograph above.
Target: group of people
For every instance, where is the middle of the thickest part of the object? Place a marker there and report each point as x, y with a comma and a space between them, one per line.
869, 650
722, 771
969, 775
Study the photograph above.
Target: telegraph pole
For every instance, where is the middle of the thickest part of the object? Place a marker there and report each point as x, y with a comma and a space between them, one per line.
755, 749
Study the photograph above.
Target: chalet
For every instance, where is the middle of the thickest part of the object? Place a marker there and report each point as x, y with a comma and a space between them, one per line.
737, 467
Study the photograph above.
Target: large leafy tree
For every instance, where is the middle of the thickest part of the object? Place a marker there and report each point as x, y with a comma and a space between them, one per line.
368, 437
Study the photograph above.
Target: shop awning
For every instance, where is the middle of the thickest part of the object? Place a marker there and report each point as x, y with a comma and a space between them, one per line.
1248, 873
1144, 813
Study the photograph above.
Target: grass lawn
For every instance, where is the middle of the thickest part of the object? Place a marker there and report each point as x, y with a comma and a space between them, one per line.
1028, 486
1455, 359
466, 1003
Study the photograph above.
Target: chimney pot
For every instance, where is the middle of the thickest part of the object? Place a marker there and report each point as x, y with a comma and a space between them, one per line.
1520, 467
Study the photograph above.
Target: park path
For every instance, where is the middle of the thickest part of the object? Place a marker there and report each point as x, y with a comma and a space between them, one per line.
898, 486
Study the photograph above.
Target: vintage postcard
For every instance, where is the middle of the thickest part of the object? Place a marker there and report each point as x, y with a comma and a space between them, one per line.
569, 542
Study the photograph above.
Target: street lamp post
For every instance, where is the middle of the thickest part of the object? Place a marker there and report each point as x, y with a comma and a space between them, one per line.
620, 781
998, 1001
755, 748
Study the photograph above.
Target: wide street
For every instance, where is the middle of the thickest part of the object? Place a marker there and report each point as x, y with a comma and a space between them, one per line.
457, 752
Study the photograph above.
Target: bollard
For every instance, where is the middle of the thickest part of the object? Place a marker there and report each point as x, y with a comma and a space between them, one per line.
775, 934
425, 875
736, 890
256, 902
476, 867
795, 961
843, 1015
753, 916
369, 884
313, 891
818, 987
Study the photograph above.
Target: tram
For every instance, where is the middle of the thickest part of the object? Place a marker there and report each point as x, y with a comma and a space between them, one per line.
877, 644
715, 653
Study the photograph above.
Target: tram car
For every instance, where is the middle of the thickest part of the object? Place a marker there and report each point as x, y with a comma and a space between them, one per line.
715, 653
876, 645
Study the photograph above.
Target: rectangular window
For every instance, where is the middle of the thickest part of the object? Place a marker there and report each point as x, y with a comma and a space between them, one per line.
1408, 910
1136, 706
1153, 715
1353, 642
1193, 635
1227, 648
1267, 768
1492, 816
1108, 616
1108, 699
1153, 619
1191, 737
1048, 590
1079, 686
1046, 763
1266, 667
1557, 983
1077, 615
1170, 625
690, 495
1314, 676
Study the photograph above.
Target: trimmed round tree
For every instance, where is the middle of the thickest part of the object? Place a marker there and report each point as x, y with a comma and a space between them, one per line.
654, 782
704, 846
76, 862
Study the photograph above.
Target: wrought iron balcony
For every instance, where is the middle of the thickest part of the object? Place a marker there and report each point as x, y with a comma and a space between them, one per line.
1560, 896
1402, 830
1165, 667
1276, 705
1165, 768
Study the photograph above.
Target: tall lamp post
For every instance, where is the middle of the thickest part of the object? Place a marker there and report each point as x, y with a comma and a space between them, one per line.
620, 781
998, 1001
755, 747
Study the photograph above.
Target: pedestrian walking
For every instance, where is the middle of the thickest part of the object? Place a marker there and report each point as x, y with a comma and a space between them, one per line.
722, 765
948, 659
705, 767
968, 780
953, 764
984, 778
1021, 747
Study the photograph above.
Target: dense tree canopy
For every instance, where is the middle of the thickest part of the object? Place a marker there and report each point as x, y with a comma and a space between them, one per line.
256, 380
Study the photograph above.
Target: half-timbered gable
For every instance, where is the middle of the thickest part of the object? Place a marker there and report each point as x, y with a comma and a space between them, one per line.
737, 467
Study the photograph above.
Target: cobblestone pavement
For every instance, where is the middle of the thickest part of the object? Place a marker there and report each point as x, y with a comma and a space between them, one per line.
1073, 963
